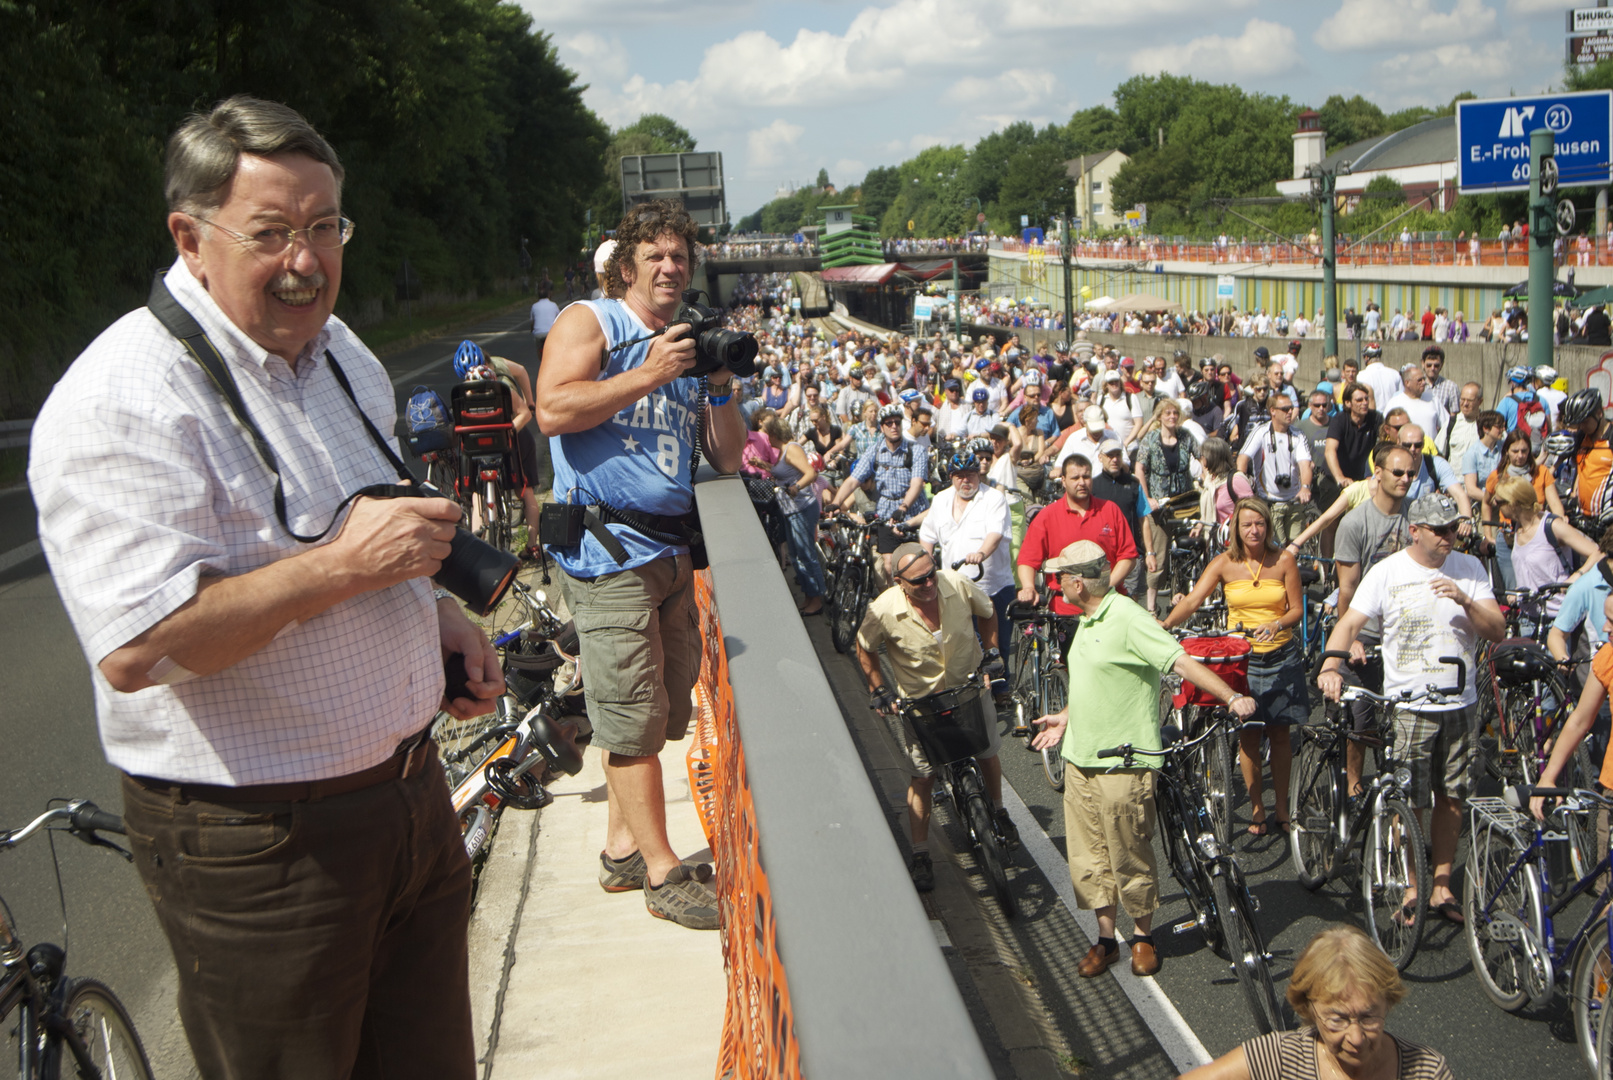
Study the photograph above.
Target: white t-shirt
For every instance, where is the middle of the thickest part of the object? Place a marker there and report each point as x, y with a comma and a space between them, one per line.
1384, 381
1121, 414
1424, 412
1170, 383
544, 313
1291, 448
983, 515
1419, 627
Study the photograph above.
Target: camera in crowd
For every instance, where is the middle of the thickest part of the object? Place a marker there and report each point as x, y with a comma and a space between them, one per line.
1283, 480
715, 346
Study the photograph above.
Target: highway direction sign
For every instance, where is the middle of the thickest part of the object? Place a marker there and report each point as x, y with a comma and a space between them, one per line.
1492, 139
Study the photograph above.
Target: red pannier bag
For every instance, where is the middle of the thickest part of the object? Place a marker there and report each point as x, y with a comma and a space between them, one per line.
1227, 656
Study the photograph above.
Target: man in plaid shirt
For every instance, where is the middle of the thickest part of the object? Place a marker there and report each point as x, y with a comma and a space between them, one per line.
899, 468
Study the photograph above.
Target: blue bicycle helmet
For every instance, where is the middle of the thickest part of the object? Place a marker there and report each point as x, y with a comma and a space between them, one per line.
963, 461
467, 357
909, 395
1519, 375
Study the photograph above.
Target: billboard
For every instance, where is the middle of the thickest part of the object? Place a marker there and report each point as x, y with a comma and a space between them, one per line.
1492, 139
694, 178
1590, 20
1590, 48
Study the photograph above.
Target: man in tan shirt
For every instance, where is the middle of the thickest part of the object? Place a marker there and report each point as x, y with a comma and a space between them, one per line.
927, 623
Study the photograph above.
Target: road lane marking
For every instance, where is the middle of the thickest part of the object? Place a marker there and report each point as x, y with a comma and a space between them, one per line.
1175, 1036
19, 555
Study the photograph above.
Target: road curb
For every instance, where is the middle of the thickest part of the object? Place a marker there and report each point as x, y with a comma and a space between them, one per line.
496, 920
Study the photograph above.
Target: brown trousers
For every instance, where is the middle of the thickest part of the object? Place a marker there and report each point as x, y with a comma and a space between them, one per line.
321, 939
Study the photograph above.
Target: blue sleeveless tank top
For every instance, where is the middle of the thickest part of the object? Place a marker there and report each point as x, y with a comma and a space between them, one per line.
635, 460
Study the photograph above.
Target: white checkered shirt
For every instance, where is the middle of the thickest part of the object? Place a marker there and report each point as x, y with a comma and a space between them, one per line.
144, 481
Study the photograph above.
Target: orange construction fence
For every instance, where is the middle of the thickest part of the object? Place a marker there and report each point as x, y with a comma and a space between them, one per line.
758, 1038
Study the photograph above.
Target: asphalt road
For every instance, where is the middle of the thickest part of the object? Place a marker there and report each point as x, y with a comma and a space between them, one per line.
51, 750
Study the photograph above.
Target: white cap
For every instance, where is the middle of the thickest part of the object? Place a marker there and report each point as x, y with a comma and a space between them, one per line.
602, 255
1112, 376
1094, 418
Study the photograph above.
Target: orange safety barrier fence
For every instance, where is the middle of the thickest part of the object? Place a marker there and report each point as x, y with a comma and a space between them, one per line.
1380, 252
758, 1038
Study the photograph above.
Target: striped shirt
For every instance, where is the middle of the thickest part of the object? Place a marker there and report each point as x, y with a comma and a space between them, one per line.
145, 482
1291, 1055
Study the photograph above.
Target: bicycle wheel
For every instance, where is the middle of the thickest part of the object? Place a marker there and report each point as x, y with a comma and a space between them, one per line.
1025, 693
847, 609
1588, 992
1393, 863
476, 826
1502, 913
498, 523
1216, 784
1313, 809
991, 859
103, 1025
462, 744
1247, 950
1055, 696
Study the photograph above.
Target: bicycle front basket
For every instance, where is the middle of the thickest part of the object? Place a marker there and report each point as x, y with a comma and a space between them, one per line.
951, 725
1227, 656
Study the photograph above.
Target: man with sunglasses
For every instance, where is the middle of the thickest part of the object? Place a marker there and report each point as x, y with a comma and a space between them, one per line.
1430, 602
1433, 474
932, 624
1368, 534
898, 467
1279, 459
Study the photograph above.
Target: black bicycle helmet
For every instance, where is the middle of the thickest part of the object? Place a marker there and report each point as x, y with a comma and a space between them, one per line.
1061, 347
1580, 406
1201, 394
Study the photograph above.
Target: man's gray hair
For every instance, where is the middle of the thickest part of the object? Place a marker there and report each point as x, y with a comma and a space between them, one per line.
206, 149
1407, 369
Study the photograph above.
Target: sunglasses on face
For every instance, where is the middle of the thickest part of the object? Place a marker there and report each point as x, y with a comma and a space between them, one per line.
920, 582
1441, 530
1397, 472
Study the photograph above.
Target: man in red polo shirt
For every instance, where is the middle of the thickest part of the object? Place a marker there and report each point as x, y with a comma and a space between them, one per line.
1077, 516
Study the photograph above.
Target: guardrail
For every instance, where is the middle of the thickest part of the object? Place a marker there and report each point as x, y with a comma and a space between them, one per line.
832, 968
1386, 252
15, 433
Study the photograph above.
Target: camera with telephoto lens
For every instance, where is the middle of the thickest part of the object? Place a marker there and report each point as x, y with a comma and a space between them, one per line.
475, 571
715, 346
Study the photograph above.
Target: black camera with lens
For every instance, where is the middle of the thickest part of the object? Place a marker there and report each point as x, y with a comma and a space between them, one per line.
715, 345
1283, 480
475, 571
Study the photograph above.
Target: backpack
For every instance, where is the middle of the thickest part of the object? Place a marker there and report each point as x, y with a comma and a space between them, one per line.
1532, 418
429, 426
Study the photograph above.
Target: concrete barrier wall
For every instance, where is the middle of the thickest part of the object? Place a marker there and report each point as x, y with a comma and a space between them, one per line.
1479, 362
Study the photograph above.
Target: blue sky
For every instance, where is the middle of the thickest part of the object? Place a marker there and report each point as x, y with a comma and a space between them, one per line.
783, 89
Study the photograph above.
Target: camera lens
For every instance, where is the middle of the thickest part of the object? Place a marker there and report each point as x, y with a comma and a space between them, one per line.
736, 350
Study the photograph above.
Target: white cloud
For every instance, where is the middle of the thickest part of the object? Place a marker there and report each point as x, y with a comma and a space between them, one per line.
594, 58
1369, 24
1539, 7
548, 14
1263, 47
1044, 15
1018, 90
769, 145
1432, 77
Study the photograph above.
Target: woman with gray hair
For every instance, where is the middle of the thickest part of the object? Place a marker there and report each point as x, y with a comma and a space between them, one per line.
1342, 989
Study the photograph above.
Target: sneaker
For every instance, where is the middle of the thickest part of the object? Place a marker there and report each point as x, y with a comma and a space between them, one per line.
923, 873
1007, 831
624, 875
685, 897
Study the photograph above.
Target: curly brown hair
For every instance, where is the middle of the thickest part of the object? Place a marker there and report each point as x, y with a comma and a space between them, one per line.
648, 221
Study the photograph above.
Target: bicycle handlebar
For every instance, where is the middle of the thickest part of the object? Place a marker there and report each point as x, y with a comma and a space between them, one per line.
83, 815
1128, 751
1432, 692
979, 568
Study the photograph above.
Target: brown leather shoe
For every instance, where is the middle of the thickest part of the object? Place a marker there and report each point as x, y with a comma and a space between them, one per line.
1144, 960
1096, 962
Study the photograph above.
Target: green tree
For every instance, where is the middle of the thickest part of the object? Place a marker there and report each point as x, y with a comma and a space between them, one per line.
1035, 183
1350, 121
823, 178
879, 190
1093, 130
1146, 104
1161, 178
665, 134
1595, 77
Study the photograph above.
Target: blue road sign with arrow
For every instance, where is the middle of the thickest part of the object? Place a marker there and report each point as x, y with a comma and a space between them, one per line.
1492, 140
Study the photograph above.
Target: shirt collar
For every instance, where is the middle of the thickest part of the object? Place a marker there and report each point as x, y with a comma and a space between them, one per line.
200, 303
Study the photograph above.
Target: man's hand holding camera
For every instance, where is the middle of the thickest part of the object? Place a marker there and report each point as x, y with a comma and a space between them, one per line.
671, 354
385, 541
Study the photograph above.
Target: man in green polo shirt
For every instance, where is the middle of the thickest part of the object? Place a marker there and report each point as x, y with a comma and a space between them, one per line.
1109, 812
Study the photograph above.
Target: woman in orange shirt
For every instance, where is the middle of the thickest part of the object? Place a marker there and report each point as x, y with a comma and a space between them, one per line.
1517, 459
1579, 722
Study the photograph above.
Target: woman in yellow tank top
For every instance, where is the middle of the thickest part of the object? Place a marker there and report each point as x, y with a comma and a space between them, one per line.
1261, 585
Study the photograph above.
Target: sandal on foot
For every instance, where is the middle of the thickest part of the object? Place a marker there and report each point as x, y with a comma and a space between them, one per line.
1260, 828
1450, 911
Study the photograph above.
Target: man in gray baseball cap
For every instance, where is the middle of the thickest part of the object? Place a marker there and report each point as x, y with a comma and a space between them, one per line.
1432, 603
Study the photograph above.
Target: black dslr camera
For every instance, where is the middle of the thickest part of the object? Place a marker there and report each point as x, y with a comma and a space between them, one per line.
714, 346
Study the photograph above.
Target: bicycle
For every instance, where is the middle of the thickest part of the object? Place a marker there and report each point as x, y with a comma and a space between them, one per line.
1510, 906
1379, 825
951, 729
1194, 712
1210, 877
1041, 684
58, 1017
484, 435
855, 577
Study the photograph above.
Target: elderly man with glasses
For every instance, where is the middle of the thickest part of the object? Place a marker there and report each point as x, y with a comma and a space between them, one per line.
1430, 602
931, 625
1108, 811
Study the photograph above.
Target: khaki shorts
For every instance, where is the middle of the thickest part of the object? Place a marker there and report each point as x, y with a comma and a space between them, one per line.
1438, 748
919, 765
638, 637
1109, 826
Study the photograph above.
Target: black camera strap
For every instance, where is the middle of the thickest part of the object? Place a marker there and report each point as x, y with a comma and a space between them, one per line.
183, 326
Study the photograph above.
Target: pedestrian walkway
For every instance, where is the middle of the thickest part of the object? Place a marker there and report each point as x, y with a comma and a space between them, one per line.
598, 987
